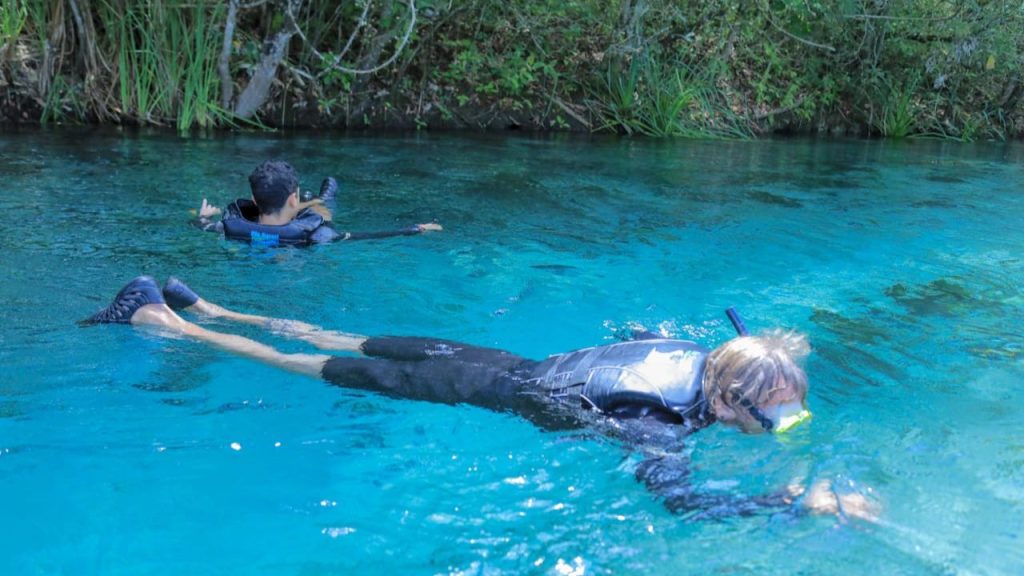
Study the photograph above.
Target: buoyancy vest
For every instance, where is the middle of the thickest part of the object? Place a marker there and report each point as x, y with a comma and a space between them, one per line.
631, 379
241, 222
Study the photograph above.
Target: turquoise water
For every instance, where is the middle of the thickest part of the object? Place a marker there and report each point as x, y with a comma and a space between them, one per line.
123, 452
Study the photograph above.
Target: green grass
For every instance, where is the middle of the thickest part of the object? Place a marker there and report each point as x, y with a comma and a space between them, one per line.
13, 15
707, 69
166, 62
142, 97
898, 117
616, 98
199, 83
666, 97
63, 103
657, 100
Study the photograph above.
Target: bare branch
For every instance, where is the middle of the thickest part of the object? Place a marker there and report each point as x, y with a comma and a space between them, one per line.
565, 108
359, 26
909, 18
335, 66
84, 27
780, 110
768, 15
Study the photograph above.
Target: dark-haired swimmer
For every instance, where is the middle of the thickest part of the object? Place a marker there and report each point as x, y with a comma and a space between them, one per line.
650, 393
279, 215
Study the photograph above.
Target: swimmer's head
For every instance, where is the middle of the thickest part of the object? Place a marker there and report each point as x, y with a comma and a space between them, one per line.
272, 182
756, 384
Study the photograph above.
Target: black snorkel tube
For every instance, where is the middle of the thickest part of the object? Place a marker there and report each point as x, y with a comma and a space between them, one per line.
741, 329
768, 424
737, 322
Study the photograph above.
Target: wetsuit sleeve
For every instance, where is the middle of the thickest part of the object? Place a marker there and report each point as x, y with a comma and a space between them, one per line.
207, 225
410, 231
668, 478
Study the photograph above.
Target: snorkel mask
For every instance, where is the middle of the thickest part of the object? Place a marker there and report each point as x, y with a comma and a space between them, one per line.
779, 418
775, 419
786, 416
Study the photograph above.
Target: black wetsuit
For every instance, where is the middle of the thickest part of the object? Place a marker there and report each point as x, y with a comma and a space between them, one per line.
241, 222
647, 393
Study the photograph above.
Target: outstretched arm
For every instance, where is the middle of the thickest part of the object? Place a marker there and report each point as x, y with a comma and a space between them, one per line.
667, 476
410, 231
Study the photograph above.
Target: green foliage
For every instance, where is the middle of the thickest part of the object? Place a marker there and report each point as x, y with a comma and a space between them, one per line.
617, 99
199, 83
650, 98
335, 87
37, 23
898, 115
668, 98
716, 68
166, 59
13, 15
142, 95
512, 74
63, 103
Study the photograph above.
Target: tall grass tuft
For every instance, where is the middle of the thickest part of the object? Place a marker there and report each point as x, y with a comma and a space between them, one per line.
142, 97
199, 81
659, 100
13, 15
666, 97
42, 22
63, 102
898, 118
166, 61
709, 114
955, 123
616, 98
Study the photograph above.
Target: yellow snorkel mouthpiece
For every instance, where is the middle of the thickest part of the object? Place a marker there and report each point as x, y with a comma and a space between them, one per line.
788, 422
786, 416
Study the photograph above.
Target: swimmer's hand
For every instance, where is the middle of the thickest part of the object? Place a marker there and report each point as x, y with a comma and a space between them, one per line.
207, 210
317, 205
429, 227
822, 499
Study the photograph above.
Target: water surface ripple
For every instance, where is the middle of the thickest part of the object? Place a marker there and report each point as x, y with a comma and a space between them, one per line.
123, 452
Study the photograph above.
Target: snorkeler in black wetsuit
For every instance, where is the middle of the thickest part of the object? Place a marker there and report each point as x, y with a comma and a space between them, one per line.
280, 215
649, 393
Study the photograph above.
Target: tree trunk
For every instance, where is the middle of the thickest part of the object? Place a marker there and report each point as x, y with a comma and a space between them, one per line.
257, 92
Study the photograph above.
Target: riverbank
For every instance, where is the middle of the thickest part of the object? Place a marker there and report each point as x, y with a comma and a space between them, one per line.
721, 69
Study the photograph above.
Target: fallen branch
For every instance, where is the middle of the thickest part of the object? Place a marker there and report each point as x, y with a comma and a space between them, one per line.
565, 107
779, 110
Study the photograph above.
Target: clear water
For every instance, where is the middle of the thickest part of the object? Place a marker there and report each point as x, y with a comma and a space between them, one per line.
122, 452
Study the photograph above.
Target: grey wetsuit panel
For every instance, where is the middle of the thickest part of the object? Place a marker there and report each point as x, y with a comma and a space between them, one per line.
662, 374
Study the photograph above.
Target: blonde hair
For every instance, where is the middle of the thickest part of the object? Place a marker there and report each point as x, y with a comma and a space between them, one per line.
753, 367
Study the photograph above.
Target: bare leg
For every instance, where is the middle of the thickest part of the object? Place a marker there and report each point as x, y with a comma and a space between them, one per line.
315, 335
161, 315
